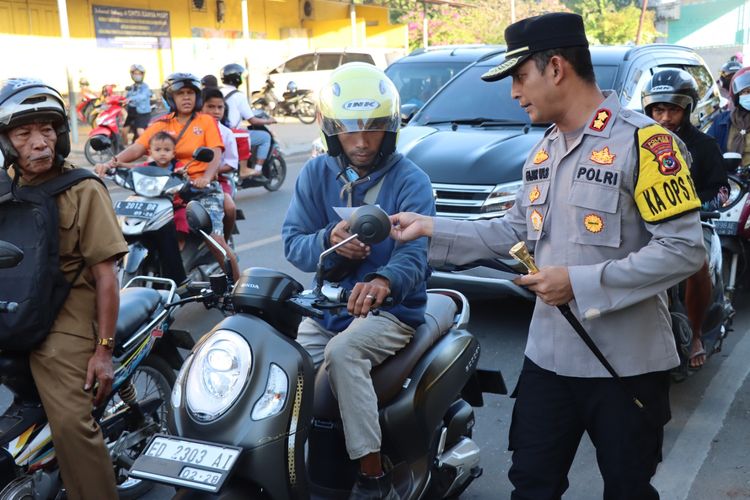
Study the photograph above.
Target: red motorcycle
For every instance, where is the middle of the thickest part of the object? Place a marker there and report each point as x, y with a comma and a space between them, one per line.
107, 124
87, 102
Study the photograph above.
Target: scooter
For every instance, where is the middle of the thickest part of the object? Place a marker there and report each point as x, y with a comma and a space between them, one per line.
151, 208
107, 124
274, 168
294, 102
145, 357
88, 98
718, 319
733, 226
248, 402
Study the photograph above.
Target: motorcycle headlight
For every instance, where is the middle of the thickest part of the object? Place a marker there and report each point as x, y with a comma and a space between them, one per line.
501, 198
150, 186
217, 375
273, 398
735, 190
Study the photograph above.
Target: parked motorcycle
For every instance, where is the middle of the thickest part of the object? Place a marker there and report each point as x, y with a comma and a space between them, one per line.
148, 210
294, 102
247, 401
86, 102
108, 124
145, 357
733, 226
274, 168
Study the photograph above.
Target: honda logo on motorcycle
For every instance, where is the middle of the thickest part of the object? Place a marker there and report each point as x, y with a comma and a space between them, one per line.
356, 104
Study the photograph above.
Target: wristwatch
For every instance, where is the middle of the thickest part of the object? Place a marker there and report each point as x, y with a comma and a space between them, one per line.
109, 342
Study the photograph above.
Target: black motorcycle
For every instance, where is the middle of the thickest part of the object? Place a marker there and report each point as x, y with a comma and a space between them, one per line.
248, 402
146, 356
274, 168
294, 102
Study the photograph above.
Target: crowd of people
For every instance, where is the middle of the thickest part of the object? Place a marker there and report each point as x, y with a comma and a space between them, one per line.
602, 249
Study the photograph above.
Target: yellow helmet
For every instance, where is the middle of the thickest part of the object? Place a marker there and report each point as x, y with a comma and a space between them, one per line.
358, 97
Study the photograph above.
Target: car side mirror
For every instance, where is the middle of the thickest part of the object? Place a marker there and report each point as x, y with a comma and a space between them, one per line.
100, 143
203, 154
10, 255
407, 112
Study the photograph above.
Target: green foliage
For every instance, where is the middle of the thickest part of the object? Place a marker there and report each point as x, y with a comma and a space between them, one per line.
607, 21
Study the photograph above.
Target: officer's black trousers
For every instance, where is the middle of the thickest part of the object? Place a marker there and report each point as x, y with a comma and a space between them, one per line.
551, 414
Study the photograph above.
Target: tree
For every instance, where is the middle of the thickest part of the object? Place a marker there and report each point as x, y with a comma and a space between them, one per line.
611, 22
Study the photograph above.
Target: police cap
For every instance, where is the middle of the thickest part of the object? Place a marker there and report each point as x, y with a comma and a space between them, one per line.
536, 34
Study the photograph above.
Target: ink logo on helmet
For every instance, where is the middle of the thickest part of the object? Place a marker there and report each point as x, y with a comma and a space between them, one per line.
361, 104
662, 88
661, 146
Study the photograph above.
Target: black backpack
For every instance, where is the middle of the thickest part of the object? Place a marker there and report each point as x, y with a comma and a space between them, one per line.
29, 220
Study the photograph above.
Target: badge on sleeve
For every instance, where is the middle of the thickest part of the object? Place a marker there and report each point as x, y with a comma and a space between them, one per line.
601, 119
536, 220
540, 157
664, 189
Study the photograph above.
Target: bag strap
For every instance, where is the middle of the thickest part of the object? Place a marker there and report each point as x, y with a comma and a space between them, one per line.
182, 132
230, 94
372, 194
68, 179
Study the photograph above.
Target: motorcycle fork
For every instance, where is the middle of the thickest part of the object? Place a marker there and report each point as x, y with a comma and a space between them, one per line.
732, 276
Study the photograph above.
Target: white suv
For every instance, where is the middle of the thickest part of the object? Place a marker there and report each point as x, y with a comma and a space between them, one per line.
310, 71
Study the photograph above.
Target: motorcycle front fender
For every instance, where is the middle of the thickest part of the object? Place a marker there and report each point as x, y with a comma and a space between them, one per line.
137, 253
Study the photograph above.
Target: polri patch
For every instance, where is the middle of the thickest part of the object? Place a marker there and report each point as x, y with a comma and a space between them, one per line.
664, 189
537, 220
662, 147
603, 156
593, 223
601, 119
540, 157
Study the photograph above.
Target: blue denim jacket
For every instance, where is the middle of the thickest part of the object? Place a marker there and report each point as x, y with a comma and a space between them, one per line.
139, 97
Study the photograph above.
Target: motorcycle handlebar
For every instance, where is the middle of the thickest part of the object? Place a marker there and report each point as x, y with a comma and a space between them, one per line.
710, 215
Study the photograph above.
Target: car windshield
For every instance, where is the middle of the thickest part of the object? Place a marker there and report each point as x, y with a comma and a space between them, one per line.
470, 99
417, 82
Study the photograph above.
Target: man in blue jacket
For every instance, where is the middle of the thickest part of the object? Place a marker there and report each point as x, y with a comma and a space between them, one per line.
359, 118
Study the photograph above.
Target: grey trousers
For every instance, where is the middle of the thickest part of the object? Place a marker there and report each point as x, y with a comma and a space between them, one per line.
348, 358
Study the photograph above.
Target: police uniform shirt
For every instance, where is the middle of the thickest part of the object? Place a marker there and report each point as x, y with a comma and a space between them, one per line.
89, 235
619, 210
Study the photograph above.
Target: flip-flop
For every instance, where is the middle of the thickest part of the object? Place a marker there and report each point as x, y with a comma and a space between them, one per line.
701, 352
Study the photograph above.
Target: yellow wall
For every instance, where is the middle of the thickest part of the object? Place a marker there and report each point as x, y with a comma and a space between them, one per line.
29, 31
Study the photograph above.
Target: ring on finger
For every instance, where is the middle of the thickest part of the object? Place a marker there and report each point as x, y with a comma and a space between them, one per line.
369, 296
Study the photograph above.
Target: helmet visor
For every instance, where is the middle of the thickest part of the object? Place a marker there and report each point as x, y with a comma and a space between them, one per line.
335, 126
680, 100
740, 82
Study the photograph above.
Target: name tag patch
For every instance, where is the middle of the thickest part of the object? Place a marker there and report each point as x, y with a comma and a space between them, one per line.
537, 174
664, 189
598, 175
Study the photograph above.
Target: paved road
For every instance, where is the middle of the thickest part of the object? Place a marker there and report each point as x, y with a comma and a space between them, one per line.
707, 443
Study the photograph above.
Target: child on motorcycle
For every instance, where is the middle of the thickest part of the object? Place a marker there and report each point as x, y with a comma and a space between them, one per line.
213, 105
161, 148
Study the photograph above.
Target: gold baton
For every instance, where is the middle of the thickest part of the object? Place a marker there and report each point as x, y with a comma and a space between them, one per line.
522, 255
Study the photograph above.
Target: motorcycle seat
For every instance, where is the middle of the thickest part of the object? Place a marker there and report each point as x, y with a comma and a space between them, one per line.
388, 378
136, 306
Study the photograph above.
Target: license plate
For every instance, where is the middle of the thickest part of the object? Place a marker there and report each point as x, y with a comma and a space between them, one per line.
725, 227
140, 209
185, 462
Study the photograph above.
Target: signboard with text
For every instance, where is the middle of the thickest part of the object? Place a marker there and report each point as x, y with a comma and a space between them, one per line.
126, 28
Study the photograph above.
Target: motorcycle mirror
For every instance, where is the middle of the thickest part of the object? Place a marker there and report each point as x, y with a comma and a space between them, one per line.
100, 143
203, 154
370, 223
10, 255
407, 112
197, 217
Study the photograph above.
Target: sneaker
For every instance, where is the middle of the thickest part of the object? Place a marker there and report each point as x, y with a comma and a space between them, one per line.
375, 488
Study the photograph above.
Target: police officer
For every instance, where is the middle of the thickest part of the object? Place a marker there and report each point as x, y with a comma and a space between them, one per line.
609, 208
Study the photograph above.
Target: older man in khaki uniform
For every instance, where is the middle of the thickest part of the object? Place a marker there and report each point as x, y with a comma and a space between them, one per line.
610, 209
78, 350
